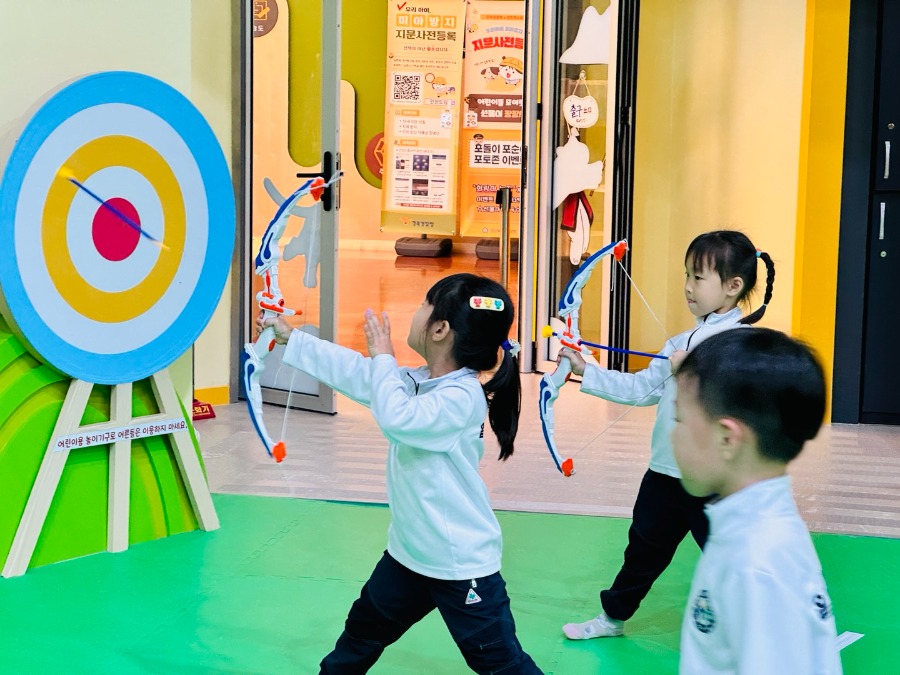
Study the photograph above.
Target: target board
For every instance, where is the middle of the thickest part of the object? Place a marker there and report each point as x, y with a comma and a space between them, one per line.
117, 222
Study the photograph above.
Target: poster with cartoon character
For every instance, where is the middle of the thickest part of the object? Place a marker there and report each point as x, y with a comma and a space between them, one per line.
491, 138
495, 62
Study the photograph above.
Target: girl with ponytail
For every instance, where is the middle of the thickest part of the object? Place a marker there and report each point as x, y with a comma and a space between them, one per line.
444, 542
720, 274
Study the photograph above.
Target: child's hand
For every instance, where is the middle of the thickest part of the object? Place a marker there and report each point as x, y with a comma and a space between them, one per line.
676, 358
574, 358
278, 323
378, 333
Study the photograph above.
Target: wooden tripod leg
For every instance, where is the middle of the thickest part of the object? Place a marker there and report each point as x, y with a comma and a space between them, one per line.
119, 503
188, 462
47, 481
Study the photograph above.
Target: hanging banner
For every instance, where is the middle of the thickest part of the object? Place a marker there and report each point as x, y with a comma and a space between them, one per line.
492, 123
422, 116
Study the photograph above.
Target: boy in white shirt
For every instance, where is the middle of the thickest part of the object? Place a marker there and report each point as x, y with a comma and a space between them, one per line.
747, 402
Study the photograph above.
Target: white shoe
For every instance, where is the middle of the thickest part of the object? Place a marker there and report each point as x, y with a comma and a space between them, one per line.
600, 626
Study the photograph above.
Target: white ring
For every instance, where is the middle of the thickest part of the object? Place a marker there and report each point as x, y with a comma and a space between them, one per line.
110, 275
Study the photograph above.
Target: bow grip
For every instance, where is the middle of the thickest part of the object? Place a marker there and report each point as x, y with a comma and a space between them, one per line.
559, 376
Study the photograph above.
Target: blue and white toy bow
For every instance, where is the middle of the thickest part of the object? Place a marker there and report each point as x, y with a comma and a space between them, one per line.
569, 307
570, 338
272, 302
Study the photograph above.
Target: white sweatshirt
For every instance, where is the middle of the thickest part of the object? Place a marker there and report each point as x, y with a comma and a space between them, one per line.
758, 602
442, 525
655, 385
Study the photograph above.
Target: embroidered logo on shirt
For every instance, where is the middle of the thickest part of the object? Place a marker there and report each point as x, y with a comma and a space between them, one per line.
481, 435
472, 597
704, 615
823, 606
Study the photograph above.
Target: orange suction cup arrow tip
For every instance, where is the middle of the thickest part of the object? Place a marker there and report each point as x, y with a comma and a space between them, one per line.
619, 249
568, 467
317, 188
279, 452
546, 331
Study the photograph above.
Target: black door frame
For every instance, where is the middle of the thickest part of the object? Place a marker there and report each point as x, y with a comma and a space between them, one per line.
623, 177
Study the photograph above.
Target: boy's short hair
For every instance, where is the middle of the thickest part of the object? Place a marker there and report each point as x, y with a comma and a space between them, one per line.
767, 380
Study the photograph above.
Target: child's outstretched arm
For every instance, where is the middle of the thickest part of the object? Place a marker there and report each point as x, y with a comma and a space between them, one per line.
642, 388
425, 421
342, 369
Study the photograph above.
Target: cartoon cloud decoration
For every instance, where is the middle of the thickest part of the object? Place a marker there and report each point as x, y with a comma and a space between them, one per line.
572, 171
591, 44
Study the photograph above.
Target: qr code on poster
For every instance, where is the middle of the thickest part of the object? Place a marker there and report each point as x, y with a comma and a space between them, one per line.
407, 88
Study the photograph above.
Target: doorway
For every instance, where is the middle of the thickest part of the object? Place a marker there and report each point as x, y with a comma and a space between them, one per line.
292, 72
308, 71
583, 125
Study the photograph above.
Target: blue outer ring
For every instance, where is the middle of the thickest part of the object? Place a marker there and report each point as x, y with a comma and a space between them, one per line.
176, 110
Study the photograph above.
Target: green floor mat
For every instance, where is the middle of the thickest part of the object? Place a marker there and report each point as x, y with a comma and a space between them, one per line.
268, 593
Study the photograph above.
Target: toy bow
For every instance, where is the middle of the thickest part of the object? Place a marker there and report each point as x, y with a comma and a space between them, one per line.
272, 304
569, 306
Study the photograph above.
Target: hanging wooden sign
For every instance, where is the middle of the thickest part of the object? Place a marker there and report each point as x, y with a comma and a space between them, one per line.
581, 111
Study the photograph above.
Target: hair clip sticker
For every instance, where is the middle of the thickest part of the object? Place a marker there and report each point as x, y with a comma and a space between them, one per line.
483, 302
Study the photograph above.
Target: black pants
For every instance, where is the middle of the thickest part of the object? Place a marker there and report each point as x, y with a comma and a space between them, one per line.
663, 514
394, 598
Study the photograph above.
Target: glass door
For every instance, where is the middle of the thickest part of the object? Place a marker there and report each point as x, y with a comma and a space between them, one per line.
293, 71
575, 136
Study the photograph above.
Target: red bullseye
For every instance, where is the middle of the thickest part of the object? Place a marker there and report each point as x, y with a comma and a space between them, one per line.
114, 238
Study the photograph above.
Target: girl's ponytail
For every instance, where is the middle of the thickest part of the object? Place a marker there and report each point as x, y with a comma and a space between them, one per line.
480, 331
770, 282
504, 393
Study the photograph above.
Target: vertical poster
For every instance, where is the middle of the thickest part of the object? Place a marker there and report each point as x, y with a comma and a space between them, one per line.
491, 137
422, 116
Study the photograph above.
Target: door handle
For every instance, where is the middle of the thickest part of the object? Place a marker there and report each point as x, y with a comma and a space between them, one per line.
887, 159
881, 222
327, 173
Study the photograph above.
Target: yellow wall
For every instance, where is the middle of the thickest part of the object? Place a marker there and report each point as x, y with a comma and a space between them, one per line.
79, 37
211, 77
656, 254
718, 129
821, 169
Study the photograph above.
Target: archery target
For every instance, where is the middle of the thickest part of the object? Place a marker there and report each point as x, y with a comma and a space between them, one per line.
91, 294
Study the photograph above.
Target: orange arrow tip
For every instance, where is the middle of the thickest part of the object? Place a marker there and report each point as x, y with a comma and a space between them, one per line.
619, 249
568, 467
317, 187
279, 452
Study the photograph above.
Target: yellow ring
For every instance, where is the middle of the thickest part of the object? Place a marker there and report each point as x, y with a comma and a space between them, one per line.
88, 301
